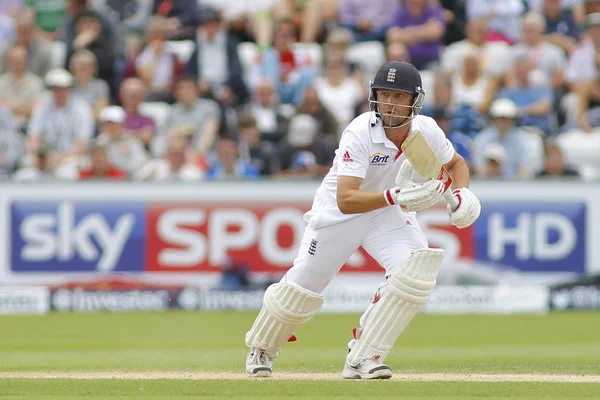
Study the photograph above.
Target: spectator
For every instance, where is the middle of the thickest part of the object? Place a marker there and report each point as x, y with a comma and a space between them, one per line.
533, 99
304, 153
471, 87
75, 9
180, 16
36, 167
157, 65
337, 90
49, 17
90, 34
455, 17
543, 56
289, 75
94, 91
310, 16
11, 7
504, 18
60, 121
100, 168
126, 16
339, 41
11, 144
588, 106
227, 164
561, 28
133, 92
215, 62
419, 24
367, 19
327, 125
554, 164
494, 155
461, 142
582, 63
19, 89
260, 154
269, 117
203, 115
39, 50
504, 114
397, 51
125, 152
175, 166
495, 55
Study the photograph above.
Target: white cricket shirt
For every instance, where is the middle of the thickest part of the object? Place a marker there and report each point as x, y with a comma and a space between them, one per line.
366, 152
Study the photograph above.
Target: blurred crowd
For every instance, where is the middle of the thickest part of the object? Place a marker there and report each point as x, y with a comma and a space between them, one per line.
192, 90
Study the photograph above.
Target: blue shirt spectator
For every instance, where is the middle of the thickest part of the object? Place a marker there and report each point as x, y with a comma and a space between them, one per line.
226, 164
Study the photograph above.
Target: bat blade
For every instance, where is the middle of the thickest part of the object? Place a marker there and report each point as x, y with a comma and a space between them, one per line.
425, 162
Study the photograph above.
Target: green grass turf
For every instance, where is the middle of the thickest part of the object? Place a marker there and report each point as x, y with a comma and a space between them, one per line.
558, 343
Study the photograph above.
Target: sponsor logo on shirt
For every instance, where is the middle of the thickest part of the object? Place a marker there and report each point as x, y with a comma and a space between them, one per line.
346, 157
379, 159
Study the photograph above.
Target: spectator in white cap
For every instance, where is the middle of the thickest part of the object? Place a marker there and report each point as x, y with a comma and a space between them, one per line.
303, 152
494, 155
125, 152
504, 114
61, 122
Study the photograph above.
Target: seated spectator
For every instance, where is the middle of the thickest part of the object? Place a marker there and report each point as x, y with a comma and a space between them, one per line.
588, 105
554, 163
310, 16
203, 115
338, 41
39, 50
461, 142
455, 17
19, 89
288, 75
227, 164
133, 92
397, 51
543, 56
534, 99
11, 144
494, 155
260, 154
60, 121
495, 55
304, 153
94, 91
180, 16
215, 62
419, 24
100, 167
157, 65
126, 16
125, 152
503, 130
49, 16
269, 117
367, 19
91, 34
35, 167
337, 90
76, 8
327, 125
504, 18
470, 87
174, 166
561, 28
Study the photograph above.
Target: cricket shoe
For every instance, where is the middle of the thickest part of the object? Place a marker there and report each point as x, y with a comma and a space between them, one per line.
368, 369
259, 364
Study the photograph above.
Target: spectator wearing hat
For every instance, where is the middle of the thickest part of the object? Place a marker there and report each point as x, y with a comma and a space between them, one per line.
303, 153
100, 167
125, 152
227, 164
156, 65
554, 163
19, 89
261, 154
60, 121
180, 15
367, 19
504, 114
494, 155
215, 62
174, 166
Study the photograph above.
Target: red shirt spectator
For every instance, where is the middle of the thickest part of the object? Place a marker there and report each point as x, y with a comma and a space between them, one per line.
100, 168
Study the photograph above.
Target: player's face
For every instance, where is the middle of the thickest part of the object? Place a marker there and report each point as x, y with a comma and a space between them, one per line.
394, 106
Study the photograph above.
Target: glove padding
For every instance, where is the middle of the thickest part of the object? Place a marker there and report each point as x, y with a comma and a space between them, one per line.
413, 196
468, 210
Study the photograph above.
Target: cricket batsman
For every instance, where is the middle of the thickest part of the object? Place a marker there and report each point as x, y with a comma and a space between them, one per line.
369, 198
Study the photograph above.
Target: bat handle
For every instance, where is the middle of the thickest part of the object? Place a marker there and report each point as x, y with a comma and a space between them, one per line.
451, 199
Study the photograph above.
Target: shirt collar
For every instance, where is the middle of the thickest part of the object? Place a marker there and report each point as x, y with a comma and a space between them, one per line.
378, 133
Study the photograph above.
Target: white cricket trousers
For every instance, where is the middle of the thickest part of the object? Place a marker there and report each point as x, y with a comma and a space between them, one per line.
389, 236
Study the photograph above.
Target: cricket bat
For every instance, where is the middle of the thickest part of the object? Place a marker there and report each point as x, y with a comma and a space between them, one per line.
426, 163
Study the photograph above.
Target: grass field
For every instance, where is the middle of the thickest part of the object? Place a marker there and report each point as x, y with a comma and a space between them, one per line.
180, 355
